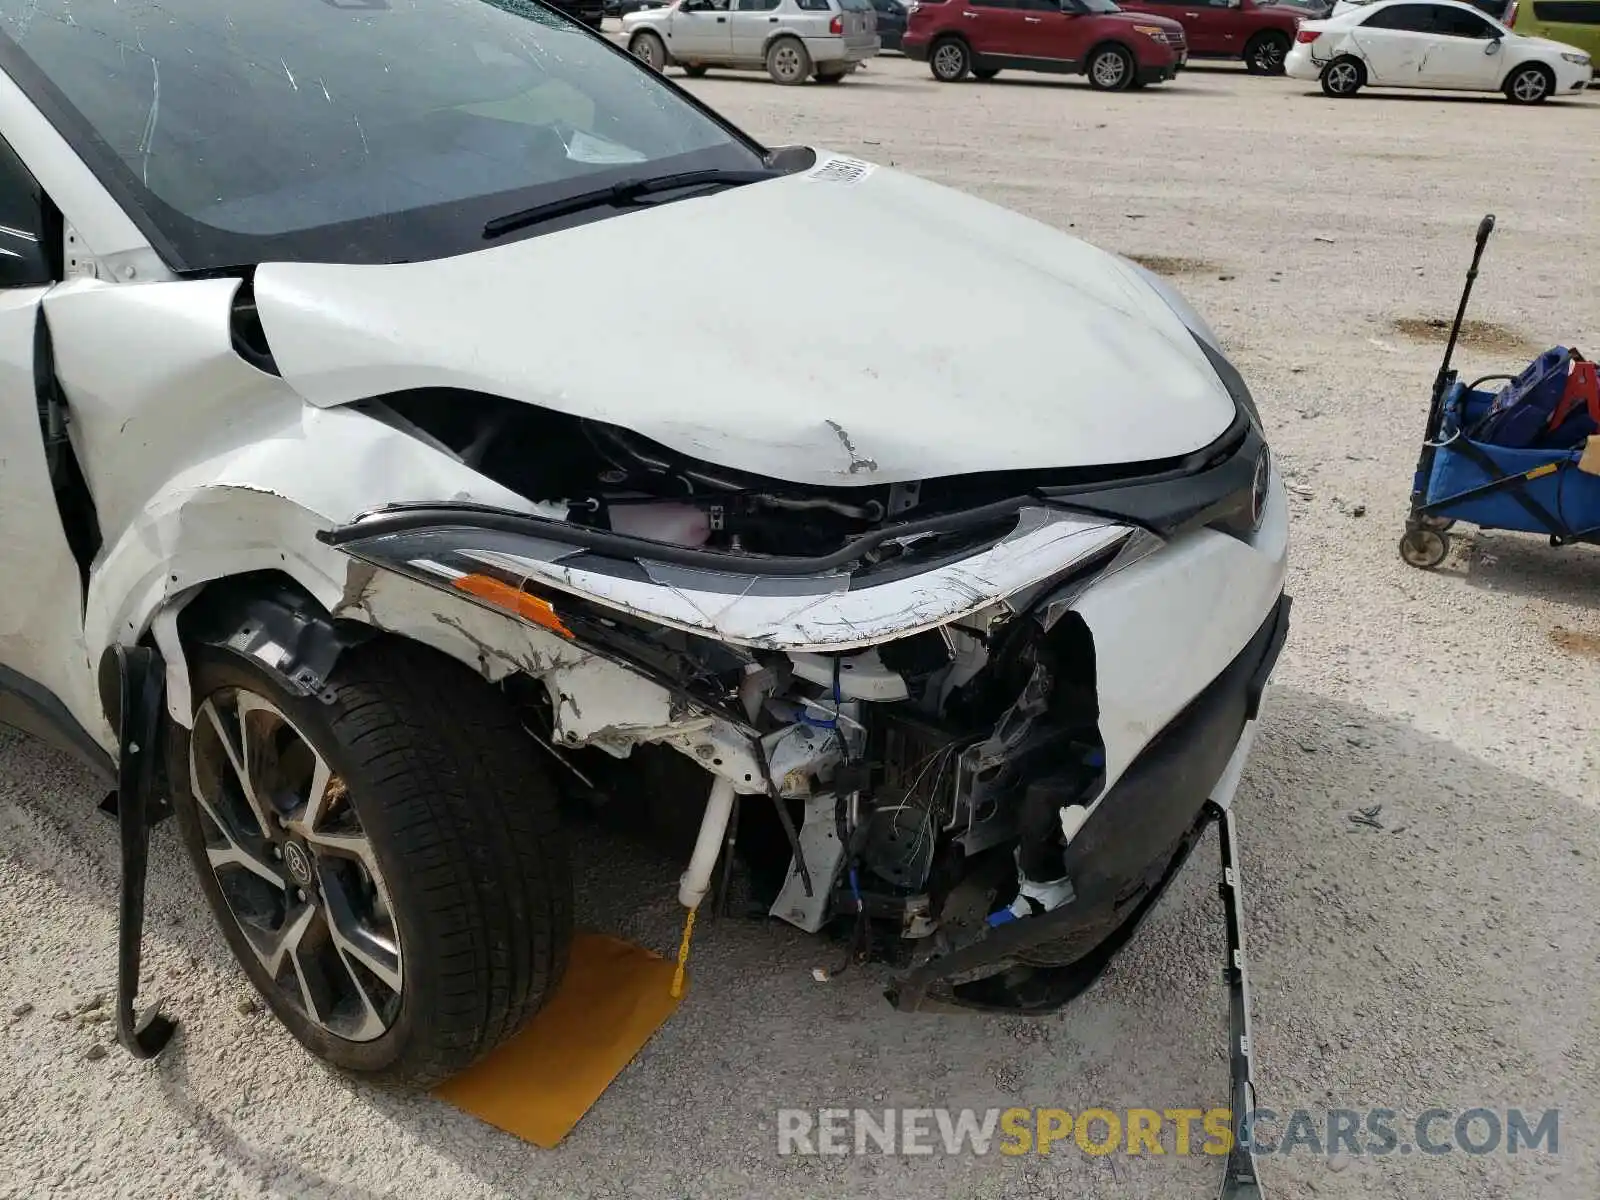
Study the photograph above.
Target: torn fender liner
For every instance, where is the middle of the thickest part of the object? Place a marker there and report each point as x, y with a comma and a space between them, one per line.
1119, 862
539, 1084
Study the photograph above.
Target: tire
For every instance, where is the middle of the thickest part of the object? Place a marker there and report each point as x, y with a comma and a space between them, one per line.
830, 76
984, 74
787, 61
695, 72
1343, 77
437, 862
1265, 53
1530, 83
649, 49
1110, 69
1424, 549
950, 60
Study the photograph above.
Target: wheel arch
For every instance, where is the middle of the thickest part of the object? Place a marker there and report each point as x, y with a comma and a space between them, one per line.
779, 35
1271, 31
1350, 56
296, 626
1511, 72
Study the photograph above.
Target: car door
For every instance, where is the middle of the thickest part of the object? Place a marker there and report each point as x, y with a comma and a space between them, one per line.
698, 31
1000, 29
1394, 41
45, 678
1465, 51
1235, 24
1061, 31
1207, 25
749, 23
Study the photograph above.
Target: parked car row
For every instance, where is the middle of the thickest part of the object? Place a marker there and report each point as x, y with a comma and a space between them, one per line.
1123, 44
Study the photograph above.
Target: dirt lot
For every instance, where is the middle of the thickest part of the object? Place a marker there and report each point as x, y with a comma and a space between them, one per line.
1449, 960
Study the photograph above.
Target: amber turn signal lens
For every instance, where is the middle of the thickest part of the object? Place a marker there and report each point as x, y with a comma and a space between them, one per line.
533, 609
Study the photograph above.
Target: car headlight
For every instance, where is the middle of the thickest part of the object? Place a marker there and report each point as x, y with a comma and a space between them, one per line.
1581, 60
1154, 31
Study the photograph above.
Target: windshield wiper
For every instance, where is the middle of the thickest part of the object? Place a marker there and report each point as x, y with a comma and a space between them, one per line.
618, 194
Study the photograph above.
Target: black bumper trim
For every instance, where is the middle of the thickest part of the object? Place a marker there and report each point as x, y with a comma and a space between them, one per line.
1120, 862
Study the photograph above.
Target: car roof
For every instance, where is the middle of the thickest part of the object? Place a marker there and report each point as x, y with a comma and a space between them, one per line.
1367, 9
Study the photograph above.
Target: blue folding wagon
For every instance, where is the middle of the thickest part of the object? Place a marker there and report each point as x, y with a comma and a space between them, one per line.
1492, 487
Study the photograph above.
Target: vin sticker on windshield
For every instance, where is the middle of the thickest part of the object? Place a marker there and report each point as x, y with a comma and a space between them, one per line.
841, 170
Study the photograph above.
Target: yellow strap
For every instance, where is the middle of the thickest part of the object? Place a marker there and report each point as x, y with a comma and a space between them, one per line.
683, 954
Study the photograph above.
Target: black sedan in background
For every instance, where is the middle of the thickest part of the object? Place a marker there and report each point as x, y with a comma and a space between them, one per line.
891, 23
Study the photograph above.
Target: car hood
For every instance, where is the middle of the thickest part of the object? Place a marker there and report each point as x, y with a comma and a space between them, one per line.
764, 328
1551, 44
1143, 18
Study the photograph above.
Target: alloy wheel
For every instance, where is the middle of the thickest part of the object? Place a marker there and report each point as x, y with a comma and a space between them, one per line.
1343, 77
1269, 56
1109, 69
295, 866
948, 60
1530, 86
786, 62
644, 49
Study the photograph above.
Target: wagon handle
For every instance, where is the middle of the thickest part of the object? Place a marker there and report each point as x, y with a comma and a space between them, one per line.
1485, 228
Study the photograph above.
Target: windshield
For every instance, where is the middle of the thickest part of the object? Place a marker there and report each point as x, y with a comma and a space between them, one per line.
245, 131
1099, 6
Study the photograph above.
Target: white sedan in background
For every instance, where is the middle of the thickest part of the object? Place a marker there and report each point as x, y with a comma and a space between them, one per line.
1441, 44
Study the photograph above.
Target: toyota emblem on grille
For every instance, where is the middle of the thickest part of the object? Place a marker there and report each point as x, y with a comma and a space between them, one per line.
1259, 486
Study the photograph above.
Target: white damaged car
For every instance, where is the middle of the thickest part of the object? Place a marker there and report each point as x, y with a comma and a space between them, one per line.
352, 541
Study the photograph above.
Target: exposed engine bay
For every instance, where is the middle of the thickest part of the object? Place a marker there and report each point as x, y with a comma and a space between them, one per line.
601, 477
892, 766
929, 771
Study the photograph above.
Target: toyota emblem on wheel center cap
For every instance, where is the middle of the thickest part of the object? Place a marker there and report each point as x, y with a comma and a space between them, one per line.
298, 862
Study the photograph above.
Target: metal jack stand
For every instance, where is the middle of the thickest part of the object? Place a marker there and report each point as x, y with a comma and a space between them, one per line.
1239, 1179
132, 686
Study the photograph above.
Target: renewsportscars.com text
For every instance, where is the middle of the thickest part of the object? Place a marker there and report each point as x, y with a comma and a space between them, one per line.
1181, 1131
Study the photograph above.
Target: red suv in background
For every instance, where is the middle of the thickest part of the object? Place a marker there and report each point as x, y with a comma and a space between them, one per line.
1116, 50
1258, 33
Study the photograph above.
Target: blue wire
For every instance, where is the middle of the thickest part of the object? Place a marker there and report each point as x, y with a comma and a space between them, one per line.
815, 723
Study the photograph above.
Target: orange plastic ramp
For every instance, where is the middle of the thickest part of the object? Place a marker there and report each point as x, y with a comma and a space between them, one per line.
538, 1085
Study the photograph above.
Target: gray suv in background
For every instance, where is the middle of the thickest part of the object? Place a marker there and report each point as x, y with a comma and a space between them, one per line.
791, 39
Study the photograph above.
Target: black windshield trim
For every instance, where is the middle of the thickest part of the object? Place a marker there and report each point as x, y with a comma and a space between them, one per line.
137, 202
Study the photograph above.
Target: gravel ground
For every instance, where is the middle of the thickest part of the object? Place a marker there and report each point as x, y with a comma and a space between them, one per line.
1449, 960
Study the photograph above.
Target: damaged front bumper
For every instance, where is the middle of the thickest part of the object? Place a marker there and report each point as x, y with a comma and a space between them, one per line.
1122, 858
990, 732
